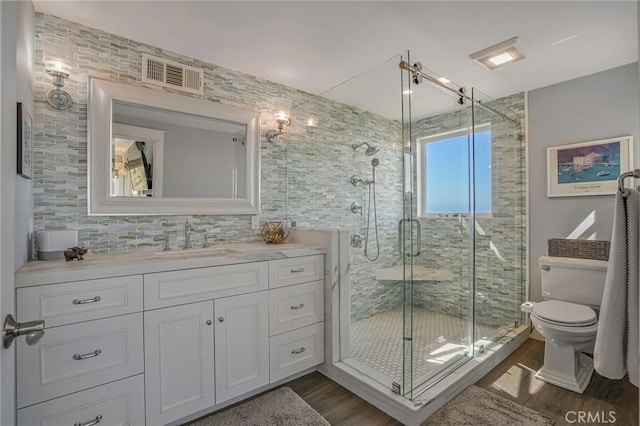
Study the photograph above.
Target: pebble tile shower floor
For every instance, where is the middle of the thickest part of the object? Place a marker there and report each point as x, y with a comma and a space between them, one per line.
377, 340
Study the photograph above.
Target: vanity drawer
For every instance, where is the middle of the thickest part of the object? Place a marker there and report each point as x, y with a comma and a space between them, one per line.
66, 303
296, 351
78, 356
295, 306
114, 404
296, 270
194, 285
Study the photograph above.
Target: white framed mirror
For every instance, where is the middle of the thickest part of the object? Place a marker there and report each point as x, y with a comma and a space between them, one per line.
152, 152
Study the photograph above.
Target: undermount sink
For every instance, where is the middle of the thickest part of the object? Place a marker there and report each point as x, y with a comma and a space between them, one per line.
228, 249
208, 251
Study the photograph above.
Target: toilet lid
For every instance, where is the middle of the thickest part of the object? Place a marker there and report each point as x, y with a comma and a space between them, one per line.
564, 312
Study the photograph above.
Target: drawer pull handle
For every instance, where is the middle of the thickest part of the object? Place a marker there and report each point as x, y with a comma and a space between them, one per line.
95, 421
297, 270
83, 301
300, 306
95, 353
298, 351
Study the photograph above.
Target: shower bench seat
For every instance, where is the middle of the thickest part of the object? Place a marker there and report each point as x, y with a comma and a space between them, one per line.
420, 273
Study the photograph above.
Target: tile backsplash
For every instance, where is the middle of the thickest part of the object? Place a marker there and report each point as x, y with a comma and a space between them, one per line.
305, 177
60, 147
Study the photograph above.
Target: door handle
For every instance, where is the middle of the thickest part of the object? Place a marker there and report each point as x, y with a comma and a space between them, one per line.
34, 330
401, 223
419, 235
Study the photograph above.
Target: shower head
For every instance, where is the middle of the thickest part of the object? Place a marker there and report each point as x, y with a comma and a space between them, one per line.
370, 148
375, 162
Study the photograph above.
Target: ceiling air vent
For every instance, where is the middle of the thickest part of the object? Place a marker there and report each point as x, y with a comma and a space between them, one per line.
172, 74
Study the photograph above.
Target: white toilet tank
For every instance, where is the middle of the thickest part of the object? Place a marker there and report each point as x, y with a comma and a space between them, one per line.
573, 280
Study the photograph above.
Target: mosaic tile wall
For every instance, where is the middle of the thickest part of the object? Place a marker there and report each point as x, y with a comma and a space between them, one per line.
305, 176
500, 237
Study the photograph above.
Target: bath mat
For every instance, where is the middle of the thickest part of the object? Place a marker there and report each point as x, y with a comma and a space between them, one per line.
476, 406
281, 407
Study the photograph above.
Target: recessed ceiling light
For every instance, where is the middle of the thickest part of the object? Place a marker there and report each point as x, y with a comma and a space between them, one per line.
500, 59
444, 80
498, 54
407, 92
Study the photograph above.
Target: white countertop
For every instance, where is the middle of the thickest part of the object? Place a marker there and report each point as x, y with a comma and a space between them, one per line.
98, 265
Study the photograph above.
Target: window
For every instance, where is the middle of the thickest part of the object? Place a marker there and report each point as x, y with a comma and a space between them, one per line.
443, 175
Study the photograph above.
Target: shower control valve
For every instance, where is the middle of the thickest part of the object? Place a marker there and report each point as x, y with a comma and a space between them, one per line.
356, 241
356, 207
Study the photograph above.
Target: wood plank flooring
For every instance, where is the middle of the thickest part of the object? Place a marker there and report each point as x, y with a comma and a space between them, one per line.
513, 379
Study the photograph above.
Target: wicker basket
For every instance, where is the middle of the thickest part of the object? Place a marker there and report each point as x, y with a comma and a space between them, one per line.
580, 249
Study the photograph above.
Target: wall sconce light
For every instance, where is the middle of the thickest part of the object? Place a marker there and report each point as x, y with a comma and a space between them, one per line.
283, 118
311, 125
57, 55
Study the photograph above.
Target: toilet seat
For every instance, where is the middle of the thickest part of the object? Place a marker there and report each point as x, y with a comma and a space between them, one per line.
564, 314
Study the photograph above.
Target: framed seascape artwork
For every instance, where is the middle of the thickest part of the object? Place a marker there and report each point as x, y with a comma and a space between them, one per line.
25, 142
588, 168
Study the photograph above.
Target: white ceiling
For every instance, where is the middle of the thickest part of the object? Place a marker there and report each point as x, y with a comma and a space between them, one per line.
314, 46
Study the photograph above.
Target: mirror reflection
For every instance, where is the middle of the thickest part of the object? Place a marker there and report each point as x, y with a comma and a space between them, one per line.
162, 153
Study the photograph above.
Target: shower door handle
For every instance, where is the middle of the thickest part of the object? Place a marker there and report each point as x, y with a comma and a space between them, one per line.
401, 235
401, 223
419, 236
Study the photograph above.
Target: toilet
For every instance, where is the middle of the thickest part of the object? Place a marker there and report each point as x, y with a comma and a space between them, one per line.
572, 289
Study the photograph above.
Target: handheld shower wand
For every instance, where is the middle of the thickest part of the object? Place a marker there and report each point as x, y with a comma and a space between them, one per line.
372, 194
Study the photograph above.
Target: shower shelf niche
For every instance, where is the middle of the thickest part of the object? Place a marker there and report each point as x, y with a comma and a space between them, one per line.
420, 273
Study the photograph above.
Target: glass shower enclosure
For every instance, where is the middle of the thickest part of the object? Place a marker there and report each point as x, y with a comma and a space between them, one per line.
463, 229
429, 179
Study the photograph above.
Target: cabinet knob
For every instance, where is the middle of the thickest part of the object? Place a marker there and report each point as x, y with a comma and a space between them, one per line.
209, 322
220, 319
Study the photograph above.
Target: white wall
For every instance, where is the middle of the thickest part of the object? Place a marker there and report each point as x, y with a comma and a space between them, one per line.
24, 92
197, 162
16, 82
208, 173
597, 106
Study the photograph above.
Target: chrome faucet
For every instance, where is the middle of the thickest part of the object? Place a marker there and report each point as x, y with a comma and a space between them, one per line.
164, 238
187, 235
206, 244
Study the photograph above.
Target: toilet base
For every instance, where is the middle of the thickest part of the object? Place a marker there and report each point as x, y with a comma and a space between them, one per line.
564, 378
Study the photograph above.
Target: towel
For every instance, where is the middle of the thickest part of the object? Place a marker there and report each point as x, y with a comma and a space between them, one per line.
617, 349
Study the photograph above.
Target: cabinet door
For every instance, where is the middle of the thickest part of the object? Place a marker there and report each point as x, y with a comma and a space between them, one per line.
179, 373
242, 344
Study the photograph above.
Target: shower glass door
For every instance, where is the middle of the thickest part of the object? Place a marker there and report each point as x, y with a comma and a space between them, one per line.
500, 220
436, 238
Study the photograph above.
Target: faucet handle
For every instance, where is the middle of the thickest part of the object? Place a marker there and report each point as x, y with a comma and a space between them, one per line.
164, 238
206, 241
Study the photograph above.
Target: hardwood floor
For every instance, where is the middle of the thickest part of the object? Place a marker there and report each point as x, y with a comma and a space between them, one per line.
513, 379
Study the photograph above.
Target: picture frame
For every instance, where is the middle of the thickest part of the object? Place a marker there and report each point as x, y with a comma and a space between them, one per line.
25, 142
588, 168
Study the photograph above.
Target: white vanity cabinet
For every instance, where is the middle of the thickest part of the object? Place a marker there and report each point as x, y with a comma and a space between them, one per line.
165, 345
179, 369
88, 365
242, 339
